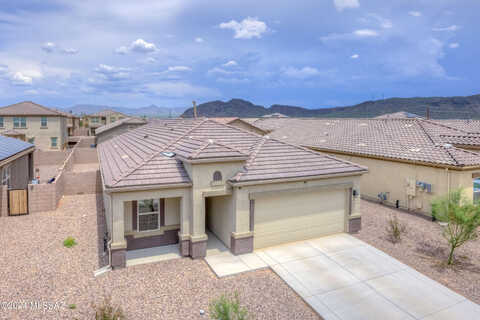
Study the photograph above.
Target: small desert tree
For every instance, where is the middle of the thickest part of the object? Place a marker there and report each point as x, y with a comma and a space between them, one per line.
462, 217
228, 308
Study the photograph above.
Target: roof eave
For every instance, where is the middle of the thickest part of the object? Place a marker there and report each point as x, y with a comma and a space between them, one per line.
110, 189
211, 160
296, 179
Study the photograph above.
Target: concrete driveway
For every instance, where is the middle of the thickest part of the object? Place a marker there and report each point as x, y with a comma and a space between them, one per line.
342, 277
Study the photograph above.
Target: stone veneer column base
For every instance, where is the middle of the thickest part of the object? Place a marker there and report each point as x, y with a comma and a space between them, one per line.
119, 258
184, 246
198, 249
354, 225
241, 245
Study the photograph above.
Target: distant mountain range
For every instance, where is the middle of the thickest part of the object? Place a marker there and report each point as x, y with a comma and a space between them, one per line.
150, 111
439, 108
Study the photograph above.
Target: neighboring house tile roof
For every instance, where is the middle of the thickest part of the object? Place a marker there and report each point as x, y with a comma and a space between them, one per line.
11, 146
28, 108
398, 115
225, 120
402, 139
470, 126
104, 113
139, 156
118, 123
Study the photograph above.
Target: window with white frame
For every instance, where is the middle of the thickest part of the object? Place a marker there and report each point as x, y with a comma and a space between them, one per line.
148, 215
6, 175
43, 122
19, 122
54, 142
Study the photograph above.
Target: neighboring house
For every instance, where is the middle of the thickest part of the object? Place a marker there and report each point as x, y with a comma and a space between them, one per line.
73, 123
16, 168
240, 123
116, 128
101, 118
410, 161
170, 181
42, 126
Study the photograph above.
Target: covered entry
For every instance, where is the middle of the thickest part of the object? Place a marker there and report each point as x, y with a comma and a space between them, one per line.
281, 217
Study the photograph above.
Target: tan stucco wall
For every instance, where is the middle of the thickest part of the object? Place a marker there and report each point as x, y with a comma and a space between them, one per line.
56, 127
393, 177
220, 217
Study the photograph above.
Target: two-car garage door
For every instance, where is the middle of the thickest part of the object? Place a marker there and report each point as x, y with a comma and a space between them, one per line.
286, 217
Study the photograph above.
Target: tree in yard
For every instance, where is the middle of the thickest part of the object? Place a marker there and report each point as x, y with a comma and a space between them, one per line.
462, 217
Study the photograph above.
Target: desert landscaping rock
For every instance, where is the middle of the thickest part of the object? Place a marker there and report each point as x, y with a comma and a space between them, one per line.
423, 248
35, 266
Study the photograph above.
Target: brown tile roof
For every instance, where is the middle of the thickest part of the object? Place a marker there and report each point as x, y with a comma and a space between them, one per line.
470, 126
402, 139
28, 108
118, 123
225, 120
138, 156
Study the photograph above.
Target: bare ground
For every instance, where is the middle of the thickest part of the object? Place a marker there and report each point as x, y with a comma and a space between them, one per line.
34, 266
423, 248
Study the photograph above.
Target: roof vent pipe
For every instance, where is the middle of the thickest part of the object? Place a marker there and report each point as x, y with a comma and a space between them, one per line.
194, 109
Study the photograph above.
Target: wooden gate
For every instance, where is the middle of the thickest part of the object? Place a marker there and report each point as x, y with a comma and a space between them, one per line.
17, 202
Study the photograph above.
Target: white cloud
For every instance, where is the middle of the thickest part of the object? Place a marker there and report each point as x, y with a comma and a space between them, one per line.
415, 13
179, 68
69, 51
366, 33
454, 45
221, 71
108, 72
48, 47
346, 4
151, 60
21, 79
379, 20
179, 89
199, 40
246, 29
31, 91
354, 56
449, 28
138, 45
305, 72
231, 63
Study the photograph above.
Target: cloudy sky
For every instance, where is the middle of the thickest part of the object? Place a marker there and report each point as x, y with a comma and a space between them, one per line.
167, 52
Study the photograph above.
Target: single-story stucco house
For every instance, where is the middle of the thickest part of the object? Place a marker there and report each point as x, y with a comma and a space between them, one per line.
410, 161
16, 170
118, 127
169, 181
101, 118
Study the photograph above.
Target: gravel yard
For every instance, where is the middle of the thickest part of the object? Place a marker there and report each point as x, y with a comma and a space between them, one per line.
423, 248
34, 266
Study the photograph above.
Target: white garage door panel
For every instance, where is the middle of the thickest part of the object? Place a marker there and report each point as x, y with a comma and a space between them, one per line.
298, 216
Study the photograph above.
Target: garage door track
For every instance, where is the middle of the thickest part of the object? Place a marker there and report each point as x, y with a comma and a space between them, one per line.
342, 278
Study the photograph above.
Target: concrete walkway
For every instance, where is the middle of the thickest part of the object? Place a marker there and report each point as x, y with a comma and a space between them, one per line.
344, 278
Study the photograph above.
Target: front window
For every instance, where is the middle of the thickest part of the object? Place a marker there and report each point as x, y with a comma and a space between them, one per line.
6, 175
1, 122
19, 122
113, 119
43, 122
31, 140
148, 215
54, 142
94, 119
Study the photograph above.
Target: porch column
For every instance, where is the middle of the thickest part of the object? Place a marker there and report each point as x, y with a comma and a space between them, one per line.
185, 217
241, 240
118, 246
198, 238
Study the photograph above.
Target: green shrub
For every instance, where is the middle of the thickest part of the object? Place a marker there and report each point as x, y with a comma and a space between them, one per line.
395, 229
107, 311
462, 217
228, 308
69, 242
72, 306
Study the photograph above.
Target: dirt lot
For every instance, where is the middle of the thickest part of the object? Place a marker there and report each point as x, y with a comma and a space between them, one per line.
35, 267
424, 248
